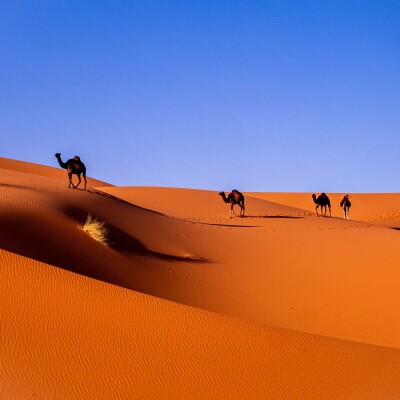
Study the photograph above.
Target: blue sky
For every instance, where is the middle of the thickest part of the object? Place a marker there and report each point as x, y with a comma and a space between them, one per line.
255, 95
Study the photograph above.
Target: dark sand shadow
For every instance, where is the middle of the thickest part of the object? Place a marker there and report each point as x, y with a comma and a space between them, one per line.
8, 185
125, 243
112, 197
25, 233
274, 216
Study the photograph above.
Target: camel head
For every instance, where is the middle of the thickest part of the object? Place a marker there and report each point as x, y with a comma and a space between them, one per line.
314, 196
224, 198
58, 155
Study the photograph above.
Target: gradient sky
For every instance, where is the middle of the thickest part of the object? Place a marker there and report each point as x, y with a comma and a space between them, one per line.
255, 95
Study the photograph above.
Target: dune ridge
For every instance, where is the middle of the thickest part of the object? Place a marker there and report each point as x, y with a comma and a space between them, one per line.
187, 303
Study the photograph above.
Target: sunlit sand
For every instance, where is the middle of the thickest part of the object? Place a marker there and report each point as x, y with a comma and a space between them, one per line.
181, 301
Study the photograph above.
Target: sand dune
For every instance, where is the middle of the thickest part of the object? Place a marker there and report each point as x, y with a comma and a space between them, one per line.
379, 208
187, 303
42, 170
284, 266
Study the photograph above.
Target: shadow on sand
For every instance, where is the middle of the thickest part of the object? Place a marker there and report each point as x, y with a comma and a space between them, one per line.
274, 216
125, 243
48, 240
112, 197
238, 218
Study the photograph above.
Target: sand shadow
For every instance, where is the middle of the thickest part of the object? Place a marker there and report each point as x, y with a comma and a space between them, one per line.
125, 243
225, 225
274, 216
112, 197
11, 186
47, 240
238, 218
128, 245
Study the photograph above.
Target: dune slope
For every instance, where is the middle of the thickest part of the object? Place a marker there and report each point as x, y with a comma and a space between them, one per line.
187, 303
67, 336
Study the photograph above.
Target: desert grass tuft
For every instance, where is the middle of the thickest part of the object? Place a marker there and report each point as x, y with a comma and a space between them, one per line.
96, 229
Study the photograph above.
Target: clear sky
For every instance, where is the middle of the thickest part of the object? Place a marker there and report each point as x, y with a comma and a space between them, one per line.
255, 95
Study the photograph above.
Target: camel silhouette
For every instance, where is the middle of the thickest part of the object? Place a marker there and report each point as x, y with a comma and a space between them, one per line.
346, 204
73, 166
322, 201
234, 197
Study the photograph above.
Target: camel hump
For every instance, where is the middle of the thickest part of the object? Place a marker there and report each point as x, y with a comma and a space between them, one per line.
76, 161
345, 201
324, 196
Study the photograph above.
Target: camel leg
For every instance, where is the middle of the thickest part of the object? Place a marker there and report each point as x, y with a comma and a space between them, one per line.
70, 180
316, 209
79, 181
233, 210
84, 177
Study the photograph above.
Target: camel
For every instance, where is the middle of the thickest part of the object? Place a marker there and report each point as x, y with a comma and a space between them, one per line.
345, 204
322, 201
73, 166
234, 197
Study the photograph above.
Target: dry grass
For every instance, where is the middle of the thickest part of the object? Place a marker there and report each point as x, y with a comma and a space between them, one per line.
96, 229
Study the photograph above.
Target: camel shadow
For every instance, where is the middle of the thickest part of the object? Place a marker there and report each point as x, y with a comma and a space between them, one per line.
238, 217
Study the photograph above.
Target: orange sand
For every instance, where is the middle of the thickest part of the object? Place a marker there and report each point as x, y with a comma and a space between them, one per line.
186, 303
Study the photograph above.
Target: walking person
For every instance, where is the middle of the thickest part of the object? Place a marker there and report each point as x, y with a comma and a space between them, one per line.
345, 204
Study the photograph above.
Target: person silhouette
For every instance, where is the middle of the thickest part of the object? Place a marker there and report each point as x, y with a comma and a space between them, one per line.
345, 204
